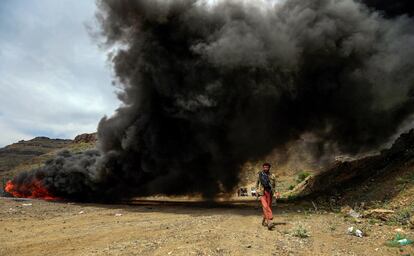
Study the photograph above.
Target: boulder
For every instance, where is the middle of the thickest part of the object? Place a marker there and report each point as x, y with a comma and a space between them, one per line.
86, 138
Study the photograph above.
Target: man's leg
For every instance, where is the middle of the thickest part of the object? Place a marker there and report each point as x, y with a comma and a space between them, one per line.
270, 205
263, 201
267, 211
270, 225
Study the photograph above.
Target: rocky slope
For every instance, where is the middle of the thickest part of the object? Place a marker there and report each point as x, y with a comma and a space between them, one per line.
26, 155
342, 176
17, 153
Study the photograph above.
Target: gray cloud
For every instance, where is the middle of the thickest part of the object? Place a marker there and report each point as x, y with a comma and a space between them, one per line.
54, 79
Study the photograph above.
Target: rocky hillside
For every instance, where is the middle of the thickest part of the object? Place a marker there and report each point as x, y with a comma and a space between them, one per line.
25, 155
17, 153
342, 176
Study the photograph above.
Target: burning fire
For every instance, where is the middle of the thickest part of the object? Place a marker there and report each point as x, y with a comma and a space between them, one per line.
35, 189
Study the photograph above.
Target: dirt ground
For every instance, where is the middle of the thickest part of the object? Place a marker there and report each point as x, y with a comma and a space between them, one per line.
37, 227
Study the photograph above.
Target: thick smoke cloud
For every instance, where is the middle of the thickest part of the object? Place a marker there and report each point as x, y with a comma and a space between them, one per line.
392, 8
206, 88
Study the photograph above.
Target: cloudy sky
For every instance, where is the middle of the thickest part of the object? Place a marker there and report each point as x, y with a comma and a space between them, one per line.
54, 80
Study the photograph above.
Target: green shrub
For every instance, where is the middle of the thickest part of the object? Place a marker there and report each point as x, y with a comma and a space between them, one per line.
402, 217
291, 197
407, 179
301, 232
302, 176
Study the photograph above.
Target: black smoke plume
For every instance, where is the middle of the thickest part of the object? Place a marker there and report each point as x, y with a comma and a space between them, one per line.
392, 8
207, 87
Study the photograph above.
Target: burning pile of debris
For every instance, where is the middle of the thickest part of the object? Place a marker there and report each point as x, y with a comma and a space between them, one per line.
207, 87
30, 190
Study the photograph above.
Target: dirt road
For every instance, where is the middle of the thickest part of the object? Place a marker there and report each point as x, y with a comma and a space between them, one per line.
57, 228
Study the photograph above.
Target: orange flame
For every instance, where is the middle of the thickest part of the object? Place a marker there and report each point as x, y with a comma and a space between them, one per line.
35, 189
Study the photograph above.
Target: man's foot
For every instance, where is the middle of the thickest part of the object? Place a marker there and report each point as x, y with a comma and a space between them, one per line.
270, 225
264, 223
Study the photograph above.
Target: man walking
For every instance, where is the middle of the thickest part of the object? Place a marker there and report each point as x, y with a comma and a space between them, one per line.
266, 184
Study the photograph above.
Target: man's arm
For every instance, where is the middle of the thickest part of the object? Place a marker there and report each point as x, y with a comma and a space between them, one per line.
273, 183
276, 194
258, 186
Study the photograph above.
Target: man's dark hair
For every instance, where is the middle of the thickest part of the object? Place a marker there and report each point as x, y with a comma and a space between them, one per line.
267, 164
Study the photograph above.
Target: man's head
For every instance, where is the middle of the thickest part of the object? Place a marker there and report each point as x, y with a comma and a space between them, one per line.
266, 167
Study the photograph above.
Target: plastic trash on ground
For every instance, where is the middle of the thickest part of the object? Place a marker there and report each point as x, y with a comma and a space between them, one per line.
399, 240
356, 232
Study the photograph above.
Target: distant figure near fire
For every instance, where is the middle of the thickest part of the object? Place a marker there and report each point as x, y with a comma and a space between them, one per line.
266, 188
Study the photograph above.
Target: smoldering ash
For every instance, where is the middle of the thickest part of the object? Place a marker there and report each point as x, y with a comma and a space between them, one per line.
207, 87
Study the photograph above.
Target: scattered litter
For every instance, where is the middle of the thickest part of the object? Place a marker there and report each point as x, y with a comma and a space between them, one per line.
81, 212
399, 240
169, 253
347, 210
118, 214
27, 204
404, 241
356, 232
354, 214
